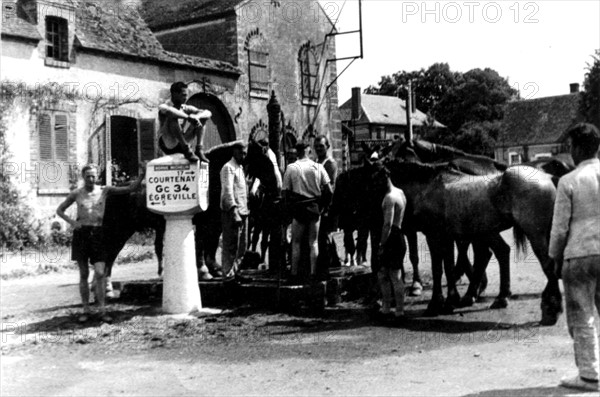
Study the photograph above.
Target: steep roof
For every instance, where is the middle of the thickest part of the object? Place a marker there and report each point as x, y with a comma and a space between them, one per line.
165, 14
16, 25
386, 110
126, 34
541, 120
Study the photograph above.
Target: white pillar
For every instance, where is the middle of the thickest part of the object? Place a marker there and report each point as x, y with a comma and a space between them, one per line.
181, 294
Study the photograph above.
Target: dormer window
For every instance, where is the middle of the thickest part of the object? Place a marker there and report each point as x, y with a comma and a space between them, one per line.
57, 41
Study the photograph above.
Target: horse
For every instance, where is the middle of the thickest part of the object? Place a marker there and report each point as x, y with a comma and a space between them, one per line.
126, 214
557, 165
262, 164
471, 164
446, 205
345, 210
349, 206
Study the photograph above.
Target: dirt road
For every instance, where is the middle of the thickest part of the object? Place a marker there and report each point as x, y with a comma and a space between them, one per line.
475, 351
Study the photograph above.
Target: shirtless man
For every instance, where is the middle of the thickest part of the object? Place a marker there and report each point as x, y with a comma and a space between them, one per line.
392, 249
88, 243
181, 125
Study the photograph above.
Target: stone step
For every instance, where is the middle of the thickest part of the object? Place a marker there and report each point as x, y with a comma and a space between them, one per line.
258, 289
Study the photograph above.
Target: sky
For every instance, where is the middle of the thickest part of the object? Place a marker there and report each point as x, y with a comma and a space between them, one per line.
540, 46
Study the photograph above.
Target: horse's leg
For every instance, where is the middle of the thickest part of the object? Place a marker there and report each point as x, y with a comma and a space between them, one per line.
453, 296
551, 304
437, 298
257, 227
200, 236
482, 255
463, 265
416, 288
502, 252
349, 246
264, 242
159, 234
361, 244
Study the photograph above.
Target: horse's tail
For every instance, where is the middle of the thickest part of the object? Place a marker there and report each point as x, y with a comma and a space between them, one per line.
520, 239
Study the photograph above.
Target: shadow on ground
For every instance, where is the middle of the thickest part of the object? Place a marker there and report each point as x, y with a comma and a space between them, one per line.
532, 391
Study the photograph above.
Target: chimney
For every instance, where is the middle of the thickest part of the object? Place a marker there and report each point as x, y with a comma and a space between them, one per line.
356, 105
574, 87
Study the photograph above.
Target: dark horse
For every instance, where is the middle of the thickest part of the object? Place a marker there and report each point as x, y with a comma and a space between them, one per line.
447, 205
126, 214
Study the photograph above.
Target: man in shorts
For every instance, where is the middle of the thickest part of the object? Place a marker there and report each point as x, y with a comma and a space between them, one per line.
181, 125
88, 241
307, 189
392, 248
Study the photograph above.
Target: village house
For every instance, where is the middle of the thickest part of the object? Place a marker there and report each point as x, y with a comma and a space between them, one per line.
381, 120
81, 81
536, 128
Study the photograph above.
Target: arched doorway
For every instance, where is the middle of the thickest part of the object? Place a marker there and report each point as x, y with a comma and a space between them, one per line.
219, 129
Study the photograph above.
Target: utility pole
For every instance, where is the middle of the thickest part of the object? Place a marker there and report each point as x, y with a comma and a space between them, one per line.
409, 128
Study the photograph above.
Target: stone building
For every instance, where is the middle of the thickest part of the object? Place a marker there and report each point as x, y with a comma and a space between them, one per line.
81, 81
537, 128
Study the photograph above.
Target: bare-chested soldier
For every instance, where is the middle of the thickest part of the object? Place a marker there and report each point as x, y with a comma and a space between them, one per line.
88, 243
181, 125
392, 249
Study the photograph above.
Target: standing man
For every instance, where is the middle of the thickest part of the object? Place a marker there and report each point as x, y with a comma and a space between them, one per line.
88, 241
307, 189
321, 144
575, 238
322, 151
181, 125
392, 248
234, 210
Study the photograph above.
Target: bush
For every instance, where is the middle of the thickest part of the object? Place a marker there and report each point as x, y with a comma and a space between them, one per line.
19, 226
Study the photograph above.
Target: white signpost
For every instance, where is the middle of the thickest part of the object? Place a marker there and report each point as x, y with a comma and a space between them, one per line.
178, 189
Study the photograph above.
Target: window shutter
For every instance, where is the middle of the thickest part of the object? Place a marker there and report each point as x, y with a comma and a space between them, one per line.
146, 139
45, 135
61, 134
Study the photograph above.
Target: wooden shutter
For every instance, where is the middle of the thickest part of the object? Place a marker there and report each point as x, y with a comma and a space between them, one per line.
54, 170
45, 135
61, 138
146, 139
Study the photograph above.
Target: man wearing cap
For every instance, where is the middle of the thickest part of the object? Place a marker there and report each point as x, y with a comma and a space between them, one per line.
307, 190
234, 210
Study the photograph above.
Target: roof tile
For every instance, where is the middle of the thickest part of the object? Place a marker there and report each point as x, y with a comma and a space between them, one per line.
541, 120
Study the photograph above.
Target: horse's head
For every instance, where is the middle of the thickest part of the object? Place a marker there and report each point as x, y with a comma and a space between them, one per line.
262, 164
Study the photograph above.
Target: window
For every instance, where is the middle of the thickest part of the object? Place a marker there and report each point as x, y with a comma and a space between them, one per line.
542, 156
258, 65
54, 152
309, 72
57, 41
514, 158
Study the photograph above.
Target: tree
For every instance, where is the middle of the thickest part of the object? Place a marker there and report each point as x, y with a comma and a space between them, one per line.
469, 104
479, 96
589, 104
430, 85
478, 137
